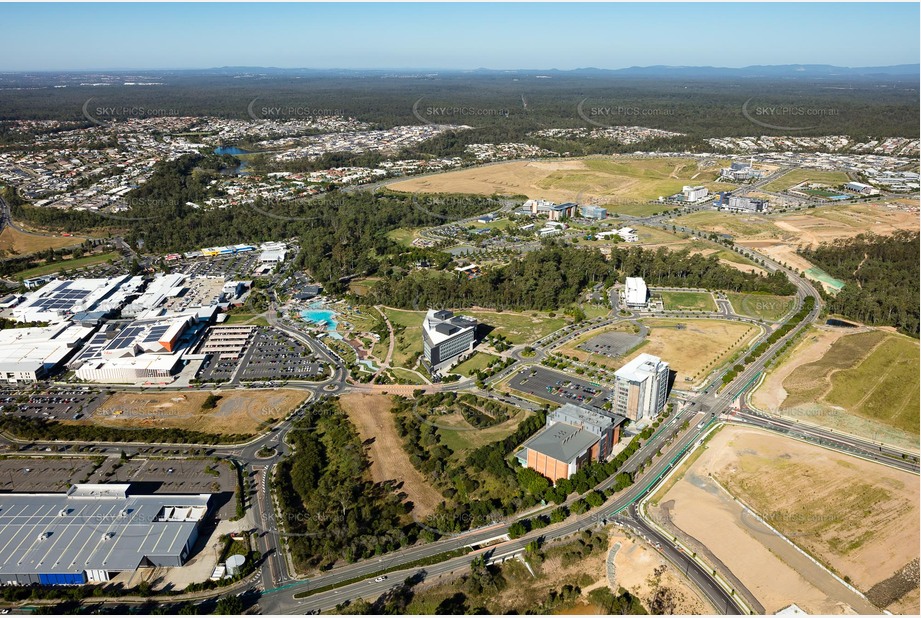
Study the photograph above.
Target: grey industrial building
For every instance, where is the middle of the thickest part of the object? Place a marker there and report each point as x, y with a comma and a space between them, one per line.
94, 531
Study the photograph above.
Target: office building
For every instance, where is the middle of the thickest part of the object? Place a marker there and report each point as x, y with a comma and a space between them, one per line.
593, 212
446, 338
692, 194
636, 294
641, 387
745, 204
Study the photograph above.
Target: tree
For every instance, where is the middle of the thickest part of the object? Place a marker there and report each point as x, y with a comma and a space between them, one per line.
228, 606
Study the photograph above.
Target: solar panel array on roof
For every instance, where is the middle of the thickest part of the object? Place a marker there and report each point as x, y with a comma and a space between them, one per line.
156, 332
125, 337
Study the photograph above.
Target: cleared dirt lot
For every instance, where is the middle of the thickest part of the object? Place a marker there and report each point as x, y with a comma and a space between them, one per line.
863, 382
372, 418
697, 348
236, 411
635, 564
856, 517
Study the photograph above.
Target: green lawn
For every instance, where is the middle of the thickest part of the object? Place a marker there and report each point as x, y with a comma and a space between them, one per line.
699, 301
463, 439
54, 267
795, 177
408, 342
403, 236
766, 307
246, 318
477, 362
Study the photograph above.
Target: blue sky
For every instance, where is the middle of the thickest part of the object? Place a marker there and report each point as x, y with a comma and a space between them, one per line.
454, 36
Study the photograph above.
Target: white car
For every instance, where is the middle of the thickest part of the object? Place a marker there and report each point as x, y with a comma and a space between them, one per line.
380, 578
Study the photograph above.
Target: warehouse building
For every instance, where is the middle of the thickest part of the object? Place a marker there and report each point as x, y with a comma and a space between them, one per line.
93, 532
641, 387
572, 437
446, 338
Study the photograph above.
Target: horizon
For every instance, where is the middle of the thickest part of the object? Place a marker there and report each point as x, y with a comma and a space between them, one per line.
455, 70
498, 37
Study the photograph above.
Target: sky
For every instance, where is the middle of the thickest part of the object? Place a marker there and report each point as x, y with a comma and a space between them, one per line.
454, 36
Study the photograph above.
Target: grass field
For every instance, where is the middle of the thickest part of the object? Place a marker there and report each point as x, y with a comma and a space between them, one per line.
466, 438
255, 319
623, 184
477, 362
13, 242
698, 348
873, 375
795, 177
236, 412
518, 327
697, 301
403, 236
766, 307
54, 267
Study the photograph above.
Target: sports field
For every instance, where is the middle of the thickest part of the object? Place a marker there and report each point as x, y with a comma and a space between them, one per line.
613, 181
856, 517
237, 412
865, 383
693, 301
